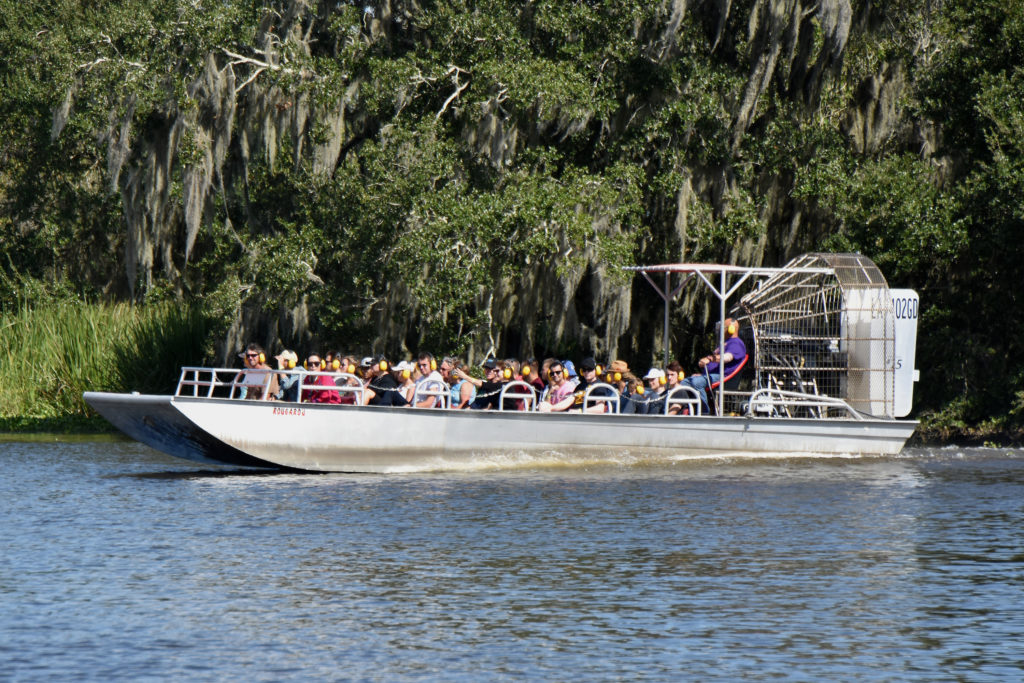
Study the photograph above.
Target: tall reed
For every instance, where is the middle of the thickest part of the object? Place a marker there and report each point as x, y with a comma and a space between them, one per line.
50, 355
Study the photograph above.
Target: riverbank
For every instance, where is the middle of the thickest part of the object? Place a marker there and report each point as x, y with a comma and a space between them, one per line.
71, 425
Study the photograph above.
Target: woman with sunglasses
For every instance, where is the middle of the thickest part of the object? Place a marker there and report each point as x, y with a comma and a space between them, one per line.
258, 381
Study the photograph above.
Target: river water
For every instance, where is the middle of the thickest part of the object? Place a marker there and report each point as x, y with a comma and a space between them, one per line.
119, 562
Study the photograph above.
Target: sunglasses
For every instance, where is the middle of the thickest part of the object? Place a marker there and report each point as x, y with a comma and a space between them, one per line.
252, 355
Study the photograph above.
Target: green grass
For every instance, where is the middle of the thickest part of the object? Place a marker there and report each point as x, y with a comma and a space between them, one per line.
50, 355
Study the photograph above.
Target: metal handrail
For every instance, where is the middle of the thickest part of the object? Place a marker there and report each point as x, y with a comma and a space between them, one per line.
769, 400
444, 392
530, 395
357, 389
693, 404
589, 400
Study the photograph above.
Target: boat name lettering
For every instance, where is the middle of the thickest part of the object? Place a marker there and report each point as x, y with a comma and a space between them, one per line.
905, 307
281, 410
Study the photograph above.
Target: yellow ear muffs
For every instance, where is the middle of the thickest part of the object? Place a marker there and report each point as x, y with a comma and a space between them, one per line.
350, 368
433, 365
406, 374
526, 371
640, 389
383, 366
608, 377
662, 381
598, 370
263, 358
323, 364
290, 364
618, 376
305, 364
335, 364
507, 373
731, 329
565, 373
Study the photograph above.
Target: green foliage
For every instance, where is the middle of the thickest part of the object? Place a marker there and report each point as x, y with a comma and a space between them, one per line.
52, 354
490, 146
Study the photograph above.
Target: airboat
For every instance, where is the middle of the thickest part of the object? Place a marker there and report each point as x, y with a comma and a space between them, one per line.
830, 371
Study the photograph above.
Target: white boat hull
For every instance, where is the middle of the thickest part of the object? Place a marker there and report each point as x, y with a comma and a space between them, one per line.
374, 439
153, 421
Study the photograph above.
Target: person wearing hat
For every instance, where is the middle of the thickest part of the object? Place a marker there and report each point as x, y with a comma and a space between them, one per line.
588, 377
488, 390
382, 388
653, 402
287, 382
622, 379
403, 371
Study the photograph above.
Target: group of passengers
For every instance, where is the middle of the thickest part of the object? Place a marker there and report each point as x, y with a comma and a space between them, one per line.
334, 378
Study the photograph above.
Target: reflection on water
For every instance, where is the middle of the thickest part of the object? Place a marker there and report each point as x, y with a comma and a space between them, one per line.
119, 562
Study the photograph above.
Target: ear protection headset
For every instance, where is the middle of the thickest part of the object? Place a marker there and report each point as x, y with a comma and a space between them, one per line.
290, 364
263, 358
507, 373
732, 329
662, 380
599, 370
433, 365
335, 364
406, 374
618, 376
383, 366
305, 364
640, 389
350, 368
526, 371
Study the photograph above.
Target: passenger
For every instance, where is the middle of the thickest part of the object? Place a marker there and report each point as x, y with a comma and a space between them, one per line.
530, 373
313, 394
349, 367
288, 382
560, 396
488, 390
712, 365
253, 382
588, 377
570, 371
619, 377
382, 388
673, 375
654, 397
634, 394
462, 390
403, 372
430, 380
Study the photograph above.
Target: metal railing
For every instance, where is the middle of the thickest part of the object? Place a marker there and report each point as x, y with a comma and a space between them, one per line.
442, 392
691, 405
529, 396
609, 400
357, 390
772, 402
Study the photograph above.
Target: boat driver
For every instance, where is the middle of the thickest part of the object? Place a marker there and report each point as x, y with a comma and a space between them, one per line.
712, 365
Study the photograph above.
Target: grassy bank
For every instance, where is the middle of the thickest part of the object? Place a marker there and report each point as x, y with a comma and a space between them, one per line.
50, 355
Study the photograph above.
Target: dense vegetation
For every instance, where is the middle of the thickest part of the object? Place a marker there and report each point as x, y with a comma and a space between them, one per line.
466, 176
